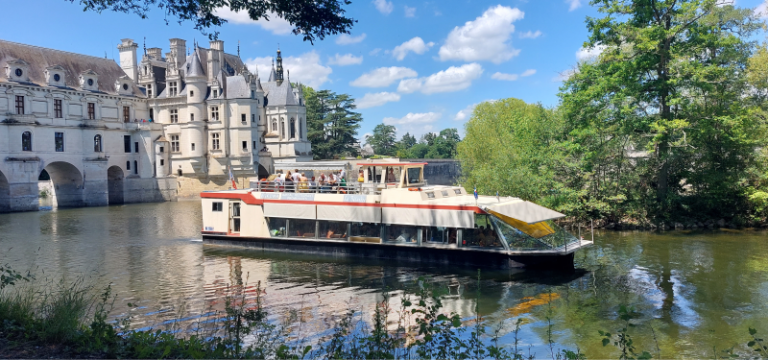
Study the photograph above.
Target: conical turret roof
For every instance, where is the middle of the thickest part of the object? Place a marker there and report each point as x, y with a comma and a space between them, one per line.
194, 66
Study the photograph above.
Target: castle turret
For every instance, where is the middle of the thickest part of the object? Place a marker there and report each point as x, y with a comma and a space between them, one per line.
279, 71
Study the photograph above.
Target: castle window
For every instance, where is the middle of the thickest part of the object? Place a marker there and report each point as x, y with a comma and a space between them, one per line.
136, 147
90, 82
151, 114
135, 167
191, 117
125, 86
126, 114
172, 88
274, 125
57, 109
97, 143
243, 119
128, 165
162, 162
26, 141
127, 143
215, 113
91, 111
20, 105
59, 141
214, 141
298, 126
245, 146
175, 143
293, 128
19, 72
174, 116
192, 146
191, 93
149, 90
162, 149
215, 93
253, 94
56, 77
253, 118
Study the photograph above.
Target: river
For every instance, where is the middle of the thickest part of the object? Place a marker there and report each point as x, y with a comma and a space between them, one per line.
690, 292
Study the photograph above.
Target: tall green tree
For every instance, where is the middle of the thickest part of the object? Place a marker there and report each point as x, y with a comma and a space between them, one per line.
513, 148
332, 124
657, 117
312, 19
382, 140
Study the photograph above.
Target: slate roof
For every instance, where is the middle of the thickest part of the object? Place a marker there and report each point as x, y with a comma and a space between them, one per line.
237, 87
193, 66
40, 58
279, 95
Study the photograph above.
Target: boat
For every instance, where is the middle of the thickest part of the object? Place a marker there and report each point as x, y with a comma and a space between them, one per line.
389, 212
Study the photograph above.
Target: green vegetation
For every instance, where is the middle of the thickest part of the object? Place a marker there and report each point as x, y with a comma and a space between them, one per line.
430, 146
313, 19
667, 124
332, 125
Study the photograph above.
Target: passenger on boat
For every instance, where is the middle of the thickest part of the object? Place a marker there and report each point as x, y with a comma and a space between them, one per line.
342, 186
296, 176
391, 176
313, 185
289, 184
360, 176
303, 183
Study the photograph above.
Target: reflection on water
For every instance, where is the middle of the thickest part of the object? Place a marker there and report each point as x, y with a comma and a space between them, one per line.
691, 291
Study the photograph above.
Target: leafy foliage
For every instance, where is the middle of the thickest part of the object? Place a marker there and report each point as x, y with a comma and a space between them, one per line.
332, 124
382, 140
313, 19
431, 145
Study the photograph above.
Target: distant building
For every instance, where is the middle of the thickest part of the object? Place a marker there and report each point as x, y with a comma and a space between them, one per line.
142, 130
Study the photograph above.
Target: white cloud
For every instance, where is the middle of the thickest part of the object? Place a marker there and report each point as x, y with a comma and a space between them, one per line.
564, 75
346, 39
410, 11
346, 59
761, 10
275, 24
385, 7
370, 100
574, 4
413, 118
589, 54
416, 45
464, 113
305, 68
375, 52
383, 76
528, 72
452, 79
485, 38
530, 34
505, 77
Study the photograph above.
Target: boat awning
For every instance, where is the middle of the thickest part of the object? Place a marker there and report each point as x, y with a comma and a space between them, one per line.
428, 217
524, 211
290, 211
341, 212
312, 166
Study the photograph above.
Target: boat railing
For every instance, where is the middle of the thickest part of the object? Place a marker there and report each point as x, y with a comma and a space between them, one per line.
315, 188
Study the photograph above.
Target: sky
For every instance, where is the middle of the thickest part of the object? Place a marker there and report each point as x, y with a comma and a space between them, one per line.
418, 65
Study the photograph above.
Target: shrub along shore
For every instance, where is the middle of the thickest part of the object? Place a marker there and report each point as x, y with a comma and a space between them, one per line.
70, 321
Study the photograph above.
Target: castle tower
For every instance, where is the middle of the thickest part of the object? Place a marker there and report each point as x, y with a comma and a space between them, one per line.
279, 72
128, 58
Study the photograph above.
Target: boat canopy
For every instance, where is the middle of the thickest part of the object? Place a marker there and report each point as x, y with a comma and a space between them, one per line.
312, 165
524, 211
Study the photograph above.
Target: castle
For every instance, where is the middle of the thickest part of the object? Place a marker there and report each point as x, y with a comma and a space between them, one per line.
137, 131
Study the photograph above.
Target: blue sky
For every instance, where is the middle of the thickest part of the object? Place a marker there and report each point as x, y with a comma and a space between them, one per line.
418, 65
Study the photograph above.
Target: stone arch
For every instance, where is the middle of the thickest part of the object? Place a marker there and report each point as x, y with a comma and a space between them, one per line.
263, 172
115, 187
67, 184
5, 194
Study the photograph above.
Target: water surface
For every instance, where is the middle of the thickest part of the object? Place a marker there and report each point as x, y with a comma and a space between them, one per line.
689, 292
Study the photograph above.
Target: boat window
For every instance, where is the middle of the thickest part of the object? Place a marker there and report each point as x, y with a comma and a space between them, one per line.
457, 191
235, 217
430, 195
439, 235
445, 193
277, 226
333, 230
365, 232
538, 236
301, 228
484, 235
402, 234
414, 175
217, 206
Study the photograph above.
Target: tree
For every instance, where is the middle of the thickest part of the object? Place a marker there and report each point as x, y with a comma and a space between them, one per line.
382, 140
332, 125
513, 148
314, 19
669, 81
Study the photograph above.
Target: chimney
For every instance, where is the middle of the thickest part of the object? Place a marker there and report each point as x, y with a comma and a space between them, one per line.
155, 53
217, 45
179, 50
127, 50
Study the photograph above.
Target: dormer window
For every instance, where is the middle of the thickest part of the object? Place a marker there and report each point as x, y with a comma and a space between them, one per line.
215, 93
19, 72
90, 82
173, 89
149, 91
125, 86
56, 77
